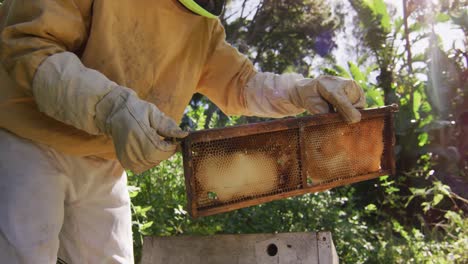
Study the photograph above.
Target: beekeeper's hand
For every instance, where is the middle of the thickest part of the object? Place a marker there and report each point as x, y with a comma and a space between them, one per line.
137, 128
344, 94
275, 95
84, 98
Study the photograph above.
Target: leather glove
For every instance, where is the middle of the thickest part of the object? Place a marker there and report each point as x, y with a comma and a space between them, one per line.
273, 95
69, 92
137, 129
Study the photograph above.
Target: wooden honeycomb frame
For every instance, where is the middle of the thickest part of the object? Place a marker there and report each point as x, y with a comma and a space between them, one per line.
239, 136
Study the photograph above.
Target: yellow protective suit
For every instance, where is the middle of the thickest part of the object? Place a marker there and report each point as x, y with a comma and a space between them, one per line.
157, 48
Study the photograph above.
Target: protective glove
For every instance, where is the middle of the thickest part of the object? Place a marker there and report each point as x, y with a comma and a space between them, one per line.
69, 92
272, 95
137, 128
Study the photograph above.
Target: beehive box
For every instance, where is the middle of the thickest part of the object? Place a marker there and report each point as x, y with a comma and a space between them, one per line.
284, 248
235, 167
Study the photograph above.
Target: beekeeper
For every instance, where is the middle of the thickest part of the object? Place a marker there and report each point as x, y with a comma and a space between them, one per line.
88, 88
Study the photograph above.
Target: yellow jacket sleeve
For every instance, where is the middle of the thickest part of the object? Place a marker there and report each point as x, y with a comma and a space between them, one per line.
32, 30
225, 75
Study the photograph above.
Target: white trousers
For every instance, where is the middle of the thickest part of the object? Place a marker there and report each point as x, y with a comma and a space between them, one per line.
52, 204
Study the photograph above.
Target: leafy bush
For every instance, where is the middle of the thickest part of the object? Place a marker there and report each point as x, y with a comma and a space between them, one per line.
362, 234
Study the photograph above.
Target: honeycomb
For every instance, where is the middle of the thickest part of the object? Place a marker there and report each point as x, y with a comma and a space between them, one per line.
250, 164
338, 151
235, 169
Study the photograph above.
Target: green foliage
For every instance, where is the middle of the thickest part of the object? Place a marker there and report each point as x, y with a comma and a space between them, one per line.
375, 19
281, 33
359, 236
427, 244
379, 10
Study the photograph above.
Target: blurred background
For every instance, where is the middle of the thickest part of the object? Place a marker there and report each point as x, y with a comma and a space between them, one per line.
409, 52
